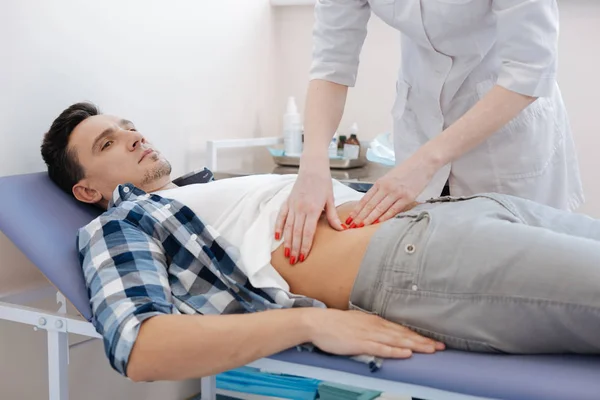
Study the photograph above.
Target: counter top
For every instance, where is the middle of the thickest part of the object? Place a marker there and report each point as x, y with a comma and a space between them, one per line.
358, 178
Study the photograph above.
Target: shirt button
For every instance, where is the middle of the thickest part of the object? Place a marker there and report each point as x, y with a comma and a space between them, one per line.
168, 206
410, 248
126, 189
415, 288
194, 237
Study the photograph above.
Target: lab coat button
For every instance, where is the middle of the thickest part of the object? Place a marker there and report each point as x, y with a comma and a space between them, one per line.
410, 248
126, 189
194, 237
415, 288
167, 206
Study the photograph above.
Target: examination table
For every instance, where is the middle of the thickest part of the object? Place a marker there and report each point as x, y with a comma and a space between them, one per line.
42, 222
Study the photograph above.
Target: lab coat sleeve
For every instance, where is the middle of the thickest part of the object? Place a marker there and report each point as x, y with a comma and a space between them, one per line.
339, 33
527, 38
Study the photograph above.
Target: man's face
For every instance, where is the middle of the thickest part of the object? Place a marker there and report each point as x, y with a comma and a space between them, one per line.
112, 152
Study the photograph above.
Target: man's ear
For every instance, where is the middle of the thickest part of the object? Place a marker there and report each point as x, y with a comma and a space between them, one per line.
86, 194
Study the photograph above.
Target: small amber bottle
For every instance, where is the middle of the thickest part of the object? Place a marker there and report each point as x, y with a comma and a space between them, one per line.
342, 141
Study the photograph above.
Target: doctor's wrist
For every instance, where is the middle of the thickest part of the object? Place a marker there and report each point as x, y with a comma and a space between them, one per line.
431, 158
314, 161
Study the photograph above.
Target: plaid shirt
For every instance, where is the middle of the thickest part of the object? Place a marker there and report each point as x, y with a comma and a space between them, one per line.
149, 256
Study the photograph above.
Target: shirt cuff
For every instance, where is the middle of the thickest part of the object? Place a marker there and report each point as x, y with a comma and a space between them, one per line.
341, 74
526, 83
120, 338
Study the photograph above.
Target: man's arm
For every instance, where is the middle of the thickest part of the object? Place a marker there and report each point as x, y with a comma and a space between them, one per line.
176, 347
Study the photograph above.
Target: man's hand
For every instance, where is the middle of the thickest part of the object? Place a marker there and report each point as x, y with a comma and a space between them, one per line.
357, 333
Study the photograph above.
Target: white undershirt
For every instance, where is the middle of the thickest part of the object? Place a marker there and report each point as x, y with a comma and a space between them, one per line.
244, 211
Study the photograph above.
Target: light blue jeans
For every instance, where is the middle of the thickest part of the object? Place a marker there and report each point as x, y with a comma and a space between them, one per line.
488, 273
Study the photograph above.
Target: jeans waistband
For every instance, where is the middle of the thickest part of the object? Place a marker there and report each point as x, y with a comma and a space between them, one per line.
382, 251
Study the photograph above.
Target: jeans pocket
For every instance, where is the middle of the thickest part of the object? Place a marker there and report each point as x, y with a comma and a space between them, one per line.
352, 306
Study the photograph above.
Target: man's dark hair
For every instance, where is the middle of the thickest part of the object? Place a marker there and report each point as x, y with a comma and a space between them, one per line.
63, 166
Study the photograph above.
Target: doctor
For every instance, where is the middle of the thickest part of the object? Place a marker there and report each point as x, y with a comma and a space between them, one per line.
477, 106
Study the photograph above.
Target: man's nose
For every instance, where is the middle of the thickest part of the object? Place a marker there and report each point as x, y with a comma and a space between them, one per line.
135, 140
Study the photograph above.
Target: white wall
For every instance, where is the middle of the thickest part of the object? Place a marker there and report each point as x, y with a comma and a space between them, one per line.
371, 100
183, 71
580, 83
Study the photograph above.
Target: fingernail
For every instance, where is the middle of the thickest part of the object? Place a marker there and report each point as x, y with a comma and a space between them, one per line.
349, 221
361, 225
287, 252
277, 235
376, 221
353, 226
301, 257
292, 260
344, 226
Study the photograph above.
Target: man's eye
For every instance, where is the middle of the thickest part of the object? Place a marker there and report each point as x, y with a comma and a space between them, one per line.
108, 143
133, 129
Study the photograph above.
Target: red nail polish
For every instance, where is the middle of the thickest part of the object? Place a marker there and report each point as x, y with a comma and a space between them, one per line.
353, 226
287, 252
376, 221
301, 257
344, 226
361, 225
292, 260
277, 236
349, 221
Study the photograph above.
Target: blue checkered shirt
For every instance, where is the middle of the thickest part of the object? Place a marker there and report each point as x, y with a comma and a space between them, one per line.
148, 255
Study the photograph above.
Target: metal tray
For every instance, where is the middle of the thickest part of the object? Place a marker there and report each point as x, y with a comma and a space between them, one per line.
335, 163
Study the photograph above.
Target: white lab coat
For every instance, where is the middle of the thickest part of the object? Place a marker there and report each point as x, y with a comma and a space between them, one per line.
453, 53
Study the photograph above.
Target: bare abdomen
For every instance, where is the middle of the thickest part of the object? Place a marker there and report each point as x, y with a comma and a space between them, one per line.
329, 272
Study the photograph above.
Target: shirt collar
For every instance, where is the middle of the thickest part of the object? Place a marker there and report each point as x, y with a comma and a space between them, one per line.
125, 192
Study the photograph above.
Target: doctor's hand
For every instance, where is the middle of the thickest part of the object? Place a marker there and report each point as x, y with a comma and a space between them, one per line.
297, 220
393, 193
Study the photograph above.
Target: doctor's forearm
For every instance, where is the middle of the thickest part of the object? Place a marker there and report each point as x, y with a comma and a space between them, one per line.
176, 347
325, 103
486, 117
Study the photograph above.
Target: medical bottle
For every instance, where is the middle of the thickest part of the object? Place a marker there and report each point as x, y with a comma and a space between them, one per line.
292, 129
333, 148
353, 135
342, 141
352, 145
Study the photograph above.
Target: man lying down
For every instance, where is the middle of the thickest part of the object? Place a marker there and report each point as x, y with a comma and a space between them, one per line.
175, 274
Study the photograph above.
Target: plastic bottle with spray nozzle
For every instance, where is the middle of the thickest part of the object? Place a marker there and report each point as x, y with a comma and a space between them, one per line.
292, 129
